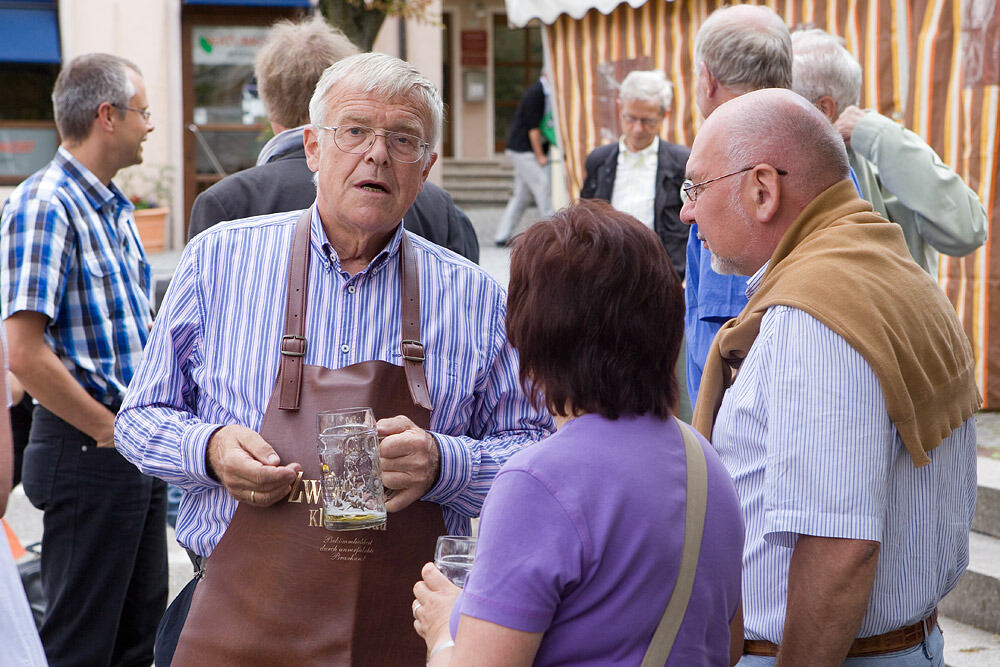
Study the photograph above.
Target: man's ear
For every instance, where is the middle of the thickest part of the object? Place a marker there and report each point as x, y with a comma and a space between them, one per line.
765, 192
711, 83
431, 159
827, 107
310, 141
106, 115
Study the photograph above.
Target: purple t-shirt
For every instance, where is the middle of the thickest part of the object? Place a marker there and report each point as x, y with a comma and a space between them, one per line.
581, 538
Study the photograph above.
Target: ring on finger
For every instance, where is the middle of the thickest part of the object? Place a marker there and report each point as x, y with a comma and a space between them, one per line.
252, 499
416, 606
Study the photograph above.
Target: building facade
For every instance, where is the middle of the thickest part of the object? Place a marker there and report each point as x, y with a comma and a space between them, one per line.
197, 60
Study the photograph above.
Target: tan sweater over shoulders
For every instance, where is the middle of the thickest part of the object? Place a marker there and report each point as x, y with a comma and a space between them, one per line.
851, 270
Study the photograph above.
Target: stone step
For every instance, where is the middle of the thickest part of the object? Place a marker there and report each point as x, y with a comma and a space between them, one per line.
459, 163
975, 600
966, 646
987, 518
453, 185
478, 174
480, 199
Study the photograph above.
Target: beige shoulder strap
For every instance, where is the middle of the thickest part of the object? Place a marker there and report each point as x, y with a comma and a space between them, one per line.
695, 502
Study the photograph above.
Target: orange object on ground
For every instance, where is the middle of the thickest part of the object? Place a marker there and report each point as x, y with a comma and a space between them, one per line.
16, 549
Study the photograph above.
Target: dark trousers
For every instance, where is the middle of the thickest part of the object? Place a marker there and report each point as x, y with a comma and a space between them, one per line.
104, 548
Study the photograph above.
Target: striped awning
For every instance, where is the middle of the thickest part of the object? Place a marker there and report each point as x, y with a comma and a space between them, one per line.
934, 65
522, 12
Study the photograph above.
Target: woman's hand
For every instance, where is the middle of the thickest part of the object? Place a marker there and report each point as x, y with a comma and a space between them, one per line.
435, 596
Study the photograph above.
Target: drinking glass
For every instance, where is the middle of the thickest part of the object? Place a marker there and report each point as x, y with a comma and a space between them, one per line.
454, 555
353, 496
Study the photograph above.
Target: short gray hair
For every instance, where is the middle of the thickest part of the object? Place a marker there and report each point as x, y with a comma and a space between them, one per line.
83, 85
291, 62
742, 55
385, 77
647, 86
822, 66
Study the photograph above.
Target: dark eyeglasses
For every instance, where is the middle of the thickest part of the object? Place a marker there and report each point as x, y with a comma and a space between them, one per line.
358, 139
692, 190
647, 123
145, 113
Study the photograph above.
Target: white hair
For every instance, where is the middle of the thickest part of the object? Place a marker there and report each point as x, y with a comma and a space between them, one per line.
385, 77
647, 86
822, 66
745, 55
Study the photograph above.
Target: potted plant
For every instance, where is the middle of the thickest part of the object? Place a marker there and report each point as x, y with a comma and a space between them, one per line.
148, 187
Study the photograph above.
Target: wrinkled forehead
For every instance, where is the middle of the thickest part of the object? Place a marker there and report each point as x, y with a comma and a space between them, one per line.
707, 152
357, 103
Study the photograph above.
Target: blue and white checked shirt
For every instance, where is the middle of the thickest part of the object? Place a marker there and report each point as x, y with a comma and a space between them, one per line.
213, 357
806, 437
72, 252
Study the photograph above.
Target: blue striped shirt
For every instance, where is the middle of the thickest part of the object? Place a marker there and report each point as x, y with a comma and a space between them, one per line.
213, 358
72, 252
805, 434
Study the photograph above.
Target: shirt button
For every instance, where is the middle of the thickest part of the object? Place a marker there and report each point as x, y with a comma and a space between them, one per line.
351, 289
345, 348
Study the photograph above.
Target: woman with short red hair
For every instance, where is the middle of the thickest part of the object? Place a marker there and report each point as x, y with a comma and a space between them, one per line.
581, 535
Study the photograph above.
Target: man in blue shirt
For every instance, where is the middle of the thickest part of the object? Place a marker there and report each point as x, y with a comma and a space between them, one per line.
226, 345
738, 49
76, 302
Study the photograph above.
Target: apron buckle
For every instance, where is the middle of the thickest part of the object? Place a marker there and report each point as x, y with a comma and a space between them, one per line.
293, 346
413, 350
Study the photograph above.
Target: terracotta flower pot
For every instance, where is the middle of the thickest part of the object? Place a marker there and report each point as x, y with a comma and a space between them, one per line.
152, 224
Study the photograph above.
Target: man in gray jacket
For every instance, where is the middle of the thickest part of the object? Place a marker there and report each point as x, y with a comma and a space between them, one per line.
899, 174
288, 66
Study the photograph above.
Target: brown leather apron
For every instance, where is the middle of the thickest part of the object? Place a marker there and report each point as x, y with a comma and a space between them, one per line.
280, 589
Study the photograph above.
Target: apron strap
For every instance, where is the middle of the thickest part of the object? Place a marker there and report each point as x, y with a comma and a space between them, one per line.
293, 343
409, 314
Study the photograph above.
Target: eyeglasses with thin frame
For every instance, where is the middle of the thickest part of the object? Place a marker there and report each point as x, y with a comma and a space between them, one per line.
145, 113
359, 139
692, 190
647, 123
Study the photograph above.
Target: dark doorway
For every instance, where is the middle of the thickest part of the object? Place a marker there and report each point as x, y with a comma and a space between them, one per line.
517, 62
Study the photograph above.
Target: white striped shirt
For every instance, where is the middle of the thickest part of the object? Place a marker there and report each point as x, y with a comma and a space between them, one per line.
213, 357
805, 434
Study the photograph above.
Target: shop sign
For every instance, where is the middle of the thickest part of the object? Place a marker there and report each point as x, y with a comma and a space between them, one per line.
226, 45
474, 48
23, 151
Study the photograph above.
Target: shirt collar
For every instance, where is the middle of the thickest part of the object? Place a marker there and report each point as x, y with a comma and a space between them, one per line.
321, 244
753, 283
281, 143
100, 195
652, 149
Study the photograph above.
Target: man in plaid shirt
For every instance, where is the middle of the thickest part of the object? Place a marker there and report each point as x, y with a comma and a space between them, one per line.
75, 295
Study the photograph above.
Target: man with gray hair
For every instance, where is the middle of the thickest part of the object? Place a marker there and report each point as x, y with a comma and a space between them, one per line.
332, 307
738, 49
898, 173
640, 174
287, 67
841, 400
76, 301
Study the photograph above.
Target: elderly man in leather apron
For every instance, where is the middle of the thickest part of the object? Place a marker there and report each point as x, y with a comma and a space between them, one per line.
271, 321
